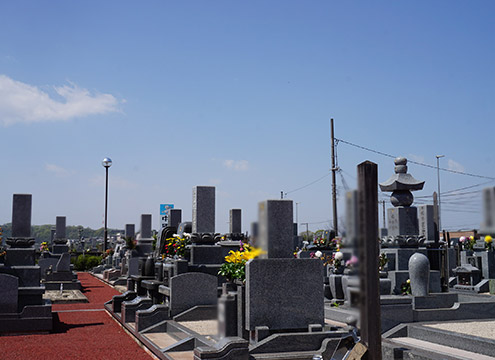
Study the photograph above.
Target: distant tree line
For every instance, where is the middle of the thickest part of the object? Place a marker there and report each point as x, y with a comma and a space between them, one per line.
43, 232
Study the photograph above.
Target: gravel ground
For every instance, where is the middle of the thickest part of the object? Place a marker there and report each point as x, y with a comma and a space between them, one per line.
80, 332
205, 327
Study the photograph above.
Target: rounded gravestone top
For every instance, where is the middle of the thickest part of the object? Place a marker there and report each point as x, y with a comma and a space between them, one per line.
400, 161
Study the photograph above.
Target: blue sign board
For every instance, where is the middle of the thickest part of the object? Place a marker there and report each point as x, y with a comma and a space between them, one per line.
164, 212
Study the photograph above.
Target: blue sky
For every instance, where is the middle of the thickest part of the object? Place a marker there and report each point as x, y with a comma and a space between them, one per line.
239, 95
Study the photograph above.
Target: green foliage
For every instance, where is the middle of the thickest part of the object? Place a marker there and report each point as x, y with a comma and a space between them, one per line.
382, 261
42, 233
232, 271
155, 239
86, 262
405, 287
130, 243
307, 236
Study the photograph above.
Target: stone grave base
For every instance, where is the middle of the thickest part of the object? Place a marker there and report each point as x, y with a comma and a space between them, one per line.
399, 309
194, 334
66, 285
33, 318
66, 297
447, 340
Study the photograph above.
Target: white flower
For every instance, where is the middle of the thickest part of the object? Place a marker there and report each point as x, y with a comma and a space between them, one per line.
339, 255
318, 254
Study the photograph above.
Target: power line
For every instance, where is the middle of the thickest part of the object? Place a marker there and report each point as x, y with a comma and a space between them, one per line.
311, 183
468, 187
416, 162
453, 194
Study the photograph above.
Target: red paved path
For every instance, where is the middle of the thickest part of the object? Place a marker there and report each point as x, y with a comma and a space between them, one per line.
79, 335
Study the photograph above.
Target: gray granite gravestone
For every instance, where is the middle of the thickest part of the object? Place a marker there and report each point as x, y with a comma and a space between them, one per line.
276, 228
254, 232
203, 209
426, 222
21, 212
145, 242
175, 217
352, 223
130, 230
60, 241
235, 217
278, 292
146, 232
60, 227
488, 225
9, 288
191, 289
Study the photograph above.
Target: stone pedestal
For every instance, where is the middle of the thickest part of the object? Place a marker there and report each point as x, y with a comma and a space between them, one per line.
59, 249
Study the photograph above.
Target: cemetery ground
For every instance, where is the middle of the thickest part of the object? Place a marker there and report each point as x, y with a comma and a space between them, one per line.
80, 331
193, 293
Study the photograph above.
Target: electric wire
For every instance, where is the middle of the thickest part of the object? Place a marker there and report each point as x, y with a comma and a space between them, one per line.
416, 162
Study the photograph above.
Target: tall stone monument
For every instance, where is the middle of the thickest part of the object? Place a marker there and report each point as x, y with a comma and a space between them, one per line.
235, 223
23, 308
60, 241
130, 230
145, 242
203, 216
488, 225
276, 228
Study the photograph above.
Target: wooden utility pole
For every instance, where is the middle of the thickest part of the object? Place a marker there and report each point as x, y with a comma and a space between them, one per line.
334, 185
371, 334
383, 213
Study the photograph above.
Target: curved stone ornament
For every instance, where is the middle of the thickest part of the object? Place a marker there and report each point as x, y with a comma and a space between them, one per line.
20, 242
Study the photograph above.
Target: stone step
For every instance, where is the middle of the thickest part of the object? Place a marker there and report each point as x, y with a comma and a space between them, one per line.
302, 355
161, 340
440, 350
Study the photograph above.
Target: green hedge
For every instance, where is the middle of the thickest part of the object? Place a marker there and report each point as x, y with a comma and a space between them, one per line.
86, 262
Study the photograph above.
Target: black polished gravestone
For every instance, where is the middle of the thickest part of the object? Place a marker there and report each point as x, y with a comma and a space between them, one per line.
22, 308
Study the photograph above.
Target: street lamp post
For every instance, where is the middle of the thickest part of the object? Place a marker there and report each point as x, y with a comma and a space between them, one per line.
439, 202
107, 162
297, 217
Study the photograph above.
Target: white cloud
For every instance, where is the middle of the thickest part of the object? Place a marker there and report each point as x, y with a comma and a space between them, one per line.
455, 166
24, 103
113, 181
57, 170
237, 165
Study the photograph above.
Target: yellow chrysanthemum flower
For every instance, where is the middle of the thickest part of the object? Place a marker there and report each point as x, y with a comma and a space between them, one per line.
488, 239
